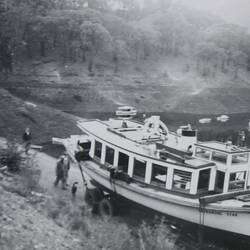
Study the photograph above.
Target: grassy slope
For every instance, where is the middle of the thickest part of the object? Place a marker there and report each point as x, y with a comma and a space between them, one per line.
150, 86
44, 122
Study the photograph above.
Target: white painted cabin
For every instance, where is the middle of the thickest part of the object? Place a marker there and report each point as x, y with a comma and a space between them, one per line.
232, 165
202, 182
151, 158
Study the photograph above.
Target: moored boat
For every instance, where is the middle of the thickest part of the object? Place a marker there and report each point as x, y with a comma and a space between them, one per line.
126, 112
206, 183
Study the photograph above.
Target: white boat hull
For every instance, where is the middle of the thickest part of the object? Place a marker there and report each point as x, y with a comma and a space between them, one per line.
231, 220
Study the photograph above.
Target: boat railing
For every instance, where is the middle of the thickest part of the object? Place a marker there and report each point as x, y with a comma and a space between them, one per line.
164, 155
180, 153
220, 197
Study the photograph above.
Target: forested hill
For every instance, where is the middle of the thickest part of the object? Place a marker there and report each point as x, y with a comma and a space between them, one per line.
119, 34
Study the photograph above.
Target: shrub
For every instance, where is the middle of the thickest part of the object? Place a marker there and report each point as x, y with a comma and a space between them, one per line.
112, 235
12, 157
78, 98
30, 175
157, 237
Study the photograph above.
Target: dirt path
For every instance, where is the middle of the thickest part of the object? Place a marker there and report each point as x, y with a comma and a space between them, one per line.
47, 165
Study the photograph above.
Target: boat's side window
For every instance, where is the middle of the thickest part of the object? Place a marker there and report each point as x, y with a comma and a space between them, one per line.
220, 179
219, 157
109, 157
123, 161
159, 175
98, 149
182, 180
202, 153
240, 158
139, 171
237, 180
204, 177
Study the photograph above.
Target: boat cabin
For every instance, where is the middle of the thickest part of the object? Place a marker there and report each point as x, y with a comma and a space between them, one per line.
164, 160
232, 164
147, 158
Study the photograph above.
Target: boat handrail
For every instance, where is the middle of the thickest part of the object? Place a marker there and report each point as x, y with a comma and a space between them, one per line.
172, 156
220, 197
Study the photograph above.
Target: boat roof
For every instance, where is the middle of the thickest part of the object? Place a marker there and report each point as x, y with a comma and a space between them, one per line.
131, 139
222, 147
112, 132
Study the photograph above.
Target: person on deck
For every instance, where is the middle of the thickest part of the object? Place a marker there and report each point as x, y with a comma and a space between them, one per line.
242, 138
27, 139
124, 124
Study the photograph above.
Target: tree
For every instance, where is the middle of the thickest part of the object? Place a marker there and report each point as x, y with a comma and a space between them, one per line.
119, 52
95, 39
239, 61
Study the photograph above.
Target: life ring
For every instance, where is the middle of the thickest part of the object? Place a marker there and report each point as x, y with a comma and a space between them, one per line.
106, 208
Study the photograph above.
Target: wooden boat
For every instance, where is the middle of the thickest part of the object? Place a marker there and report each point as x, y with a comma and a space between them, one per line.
206, 183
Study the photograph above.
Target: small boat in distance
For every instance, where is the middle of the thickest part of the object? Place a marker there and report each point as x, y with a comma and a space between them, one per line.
205, 120
222, 118
126, 112
207, 183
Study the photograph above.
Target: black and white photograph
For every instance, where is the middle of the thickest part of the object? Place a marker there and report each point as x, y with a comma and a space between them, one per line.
124, 124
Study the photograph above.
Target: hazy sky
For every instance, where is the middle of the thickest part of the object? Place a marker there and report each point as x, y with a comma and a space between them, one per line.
234, 11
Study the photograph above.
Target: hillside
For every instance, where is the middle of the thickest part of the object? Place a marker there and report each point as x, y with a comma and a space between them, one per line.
44, 122
61, 61
37, 216
93, 59
23, 227
151, 87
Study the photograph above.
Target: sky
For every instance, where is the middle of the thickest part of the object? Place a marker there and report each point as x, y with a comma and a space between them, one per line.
233, 11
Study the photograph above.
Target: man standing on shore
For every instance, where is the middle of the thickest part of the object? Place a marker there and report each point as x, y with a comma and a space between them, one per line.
66, 167
60, 172
27, 140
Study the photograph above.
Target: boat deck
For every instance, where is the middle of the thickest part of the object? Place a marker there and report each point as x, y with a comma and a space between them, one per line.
137, 140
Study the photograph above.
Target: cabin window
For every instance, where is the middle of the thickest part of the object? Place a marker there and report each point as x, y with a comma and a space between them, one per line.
182, 180
220, 179
98, 149
240, 158
123, 162
202, 153
159, 175
109, 157
237, 180
219, 157
139, 169
204, 177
